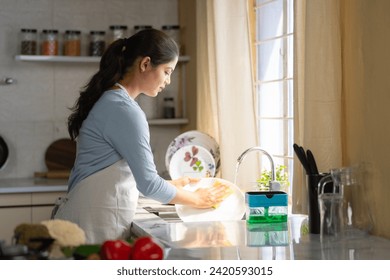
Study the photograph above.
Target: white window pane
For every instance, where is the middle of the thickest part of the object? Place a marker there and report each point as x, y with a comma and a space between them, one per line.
271, 100
275, 18
276, 136
275, 99
290, 16
271, 135
271, 56
259, 2
270, 20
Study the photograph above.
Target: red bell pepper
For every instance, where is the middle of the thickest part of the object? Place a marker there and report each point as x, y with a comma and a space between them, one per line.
146, 248
115, 250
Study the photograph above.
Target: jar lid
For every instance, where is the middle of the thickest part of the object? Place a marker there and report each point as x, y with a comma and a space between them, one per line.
72, 32
50, 31
93, 32
136, 27
114, 27
169, 27
29, 30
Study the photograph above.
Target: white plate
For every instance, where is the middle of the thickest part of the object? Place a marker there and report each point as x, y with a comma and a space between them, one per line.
231, 209
193, 161
194, 137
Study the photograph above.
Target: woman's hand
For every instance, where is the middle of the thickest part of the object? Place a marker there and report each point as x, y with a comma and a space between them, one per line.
209, 197
202, 197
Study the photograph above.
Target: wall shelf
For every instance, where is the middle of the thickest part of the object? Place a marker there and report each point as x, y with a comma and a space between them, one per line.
96, 59
61, 58
57, 58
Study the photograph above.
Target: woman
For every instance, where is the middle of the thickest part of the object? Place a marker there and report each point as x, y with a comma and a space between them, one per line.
114, 159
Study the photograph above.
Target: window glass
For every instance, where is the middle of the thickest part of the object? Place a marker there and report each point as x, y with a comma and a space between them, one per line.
274, 80
279, 95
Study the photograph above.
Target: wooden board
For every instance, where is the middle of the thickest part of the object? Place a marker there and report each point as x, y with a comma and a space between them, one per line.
60, 155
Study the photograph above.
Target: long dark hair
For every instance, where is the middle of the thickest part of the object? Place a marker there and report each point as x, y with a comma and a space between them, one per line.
116, 61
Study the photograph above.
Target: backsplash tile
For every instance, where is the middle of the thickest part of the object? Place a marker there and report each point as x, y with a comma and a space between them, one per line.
34, 110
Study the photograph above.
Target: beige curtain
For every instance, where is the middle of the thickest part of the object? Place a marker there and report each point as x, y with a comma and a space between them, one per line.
226, 106
317, 89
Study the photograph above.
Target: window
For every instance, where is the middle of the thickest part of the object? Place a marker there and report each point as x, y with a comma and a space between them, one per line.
274, 80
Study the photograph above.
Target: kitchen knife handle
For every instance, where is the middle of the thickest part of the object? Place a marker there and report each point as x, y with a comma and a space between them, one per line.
300, 152
312, 162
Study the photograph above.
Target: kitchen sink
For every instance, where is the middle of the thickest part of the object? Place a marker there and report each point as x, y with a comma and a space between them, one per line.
165, 212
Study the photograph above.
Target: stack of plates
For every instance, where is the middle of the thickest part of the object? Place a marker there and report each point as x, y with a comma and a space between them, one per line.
194, 154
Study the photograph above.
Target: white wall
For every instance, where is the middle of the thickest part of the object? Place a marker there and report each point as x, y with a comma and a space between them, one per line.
33, 111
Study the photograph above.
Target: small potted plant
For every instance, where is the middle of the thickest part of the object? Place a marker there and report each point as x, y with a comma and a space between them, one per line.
281, 176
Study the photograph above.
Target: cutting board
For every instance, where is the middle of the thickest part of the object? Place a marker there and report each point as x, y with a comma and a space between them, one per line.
60, 155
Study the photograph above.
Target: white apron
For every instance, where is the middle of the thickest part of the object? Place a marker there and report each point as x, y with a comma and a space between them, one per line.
103, 204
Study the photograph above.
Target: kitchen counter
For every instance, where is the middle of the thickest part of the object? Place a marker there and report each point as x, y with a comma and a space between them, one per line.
236, 240
27, 200
32, 185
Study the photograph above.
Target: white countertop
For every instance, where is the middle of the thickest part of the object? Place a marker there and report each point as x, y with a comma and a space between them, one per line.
238, 240
32, 185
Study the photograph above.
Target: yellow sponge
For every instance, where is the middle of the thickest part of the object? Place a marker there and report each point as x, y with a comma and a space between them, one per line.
227, 193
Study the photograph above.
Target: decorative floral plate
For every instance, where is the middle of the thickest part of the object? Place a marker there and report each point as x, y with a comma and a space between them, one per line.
194, 137
193, 161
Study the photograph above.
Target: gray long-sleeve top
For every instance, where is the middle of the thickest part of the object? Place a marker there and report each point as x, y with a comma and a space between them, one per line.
117, 128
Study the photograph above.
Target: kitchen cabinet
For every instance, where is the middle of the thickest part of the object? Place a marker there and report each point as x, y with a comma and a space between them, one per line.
17, 208
13, 211
42, 205
89, 59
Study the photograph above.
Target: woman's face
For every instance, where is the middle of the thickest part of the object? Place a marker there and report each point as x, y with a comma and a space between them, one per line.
155, 79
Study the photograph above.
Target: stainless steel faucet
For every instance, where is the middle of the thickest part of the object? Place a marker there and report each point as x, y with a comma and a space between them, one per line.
274, 186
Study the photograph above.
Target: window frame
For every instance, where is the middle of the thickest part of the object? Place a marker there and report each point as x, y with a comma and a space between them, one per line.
285, 157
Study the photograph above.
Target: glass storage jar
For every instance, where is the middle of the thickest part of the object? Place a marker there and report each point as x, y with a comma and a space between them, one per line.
72, 43
97, 43
49, 45
118, 32
169, 108
174, 32
138, 28
28, 41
